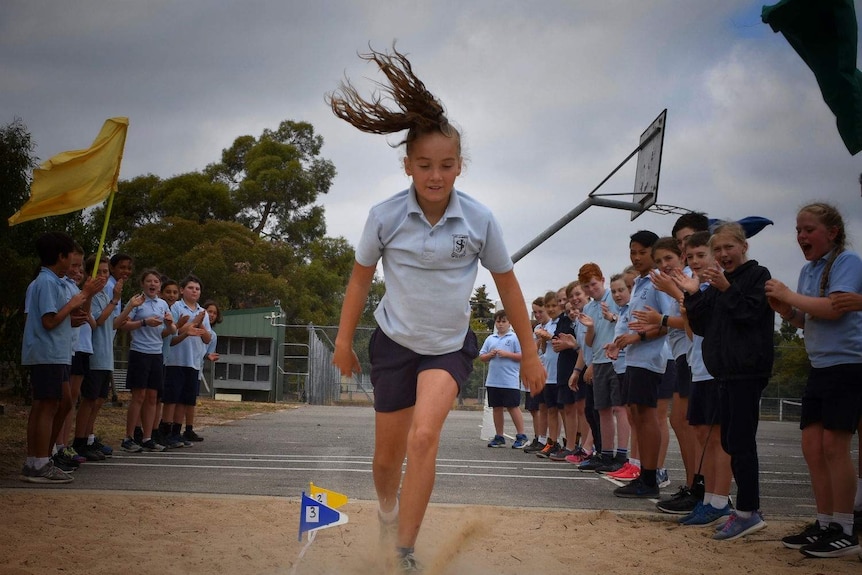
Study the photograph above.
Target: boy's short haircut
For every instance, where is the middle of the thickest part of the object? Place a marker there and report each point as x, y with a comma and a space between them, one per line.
696, 221
90, 263
645, 238
550, 297
117, 258
51, 245
539, 301
617, 277
589, 271
697, 239
191, 279
499, 314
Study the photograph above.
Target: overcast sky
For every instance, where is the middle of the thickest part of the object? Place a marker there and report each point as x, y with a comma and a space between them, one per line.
550, 97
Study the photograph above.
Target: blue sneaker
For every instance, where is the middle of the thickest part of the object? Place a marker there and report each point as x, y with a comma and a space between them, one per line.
706, 515
498, 441
520, 441
692, 513
737, 527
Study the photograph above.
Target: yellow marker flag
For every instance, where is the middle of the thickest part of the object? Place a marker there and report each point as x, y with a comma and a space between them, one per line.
327, 497
78, 179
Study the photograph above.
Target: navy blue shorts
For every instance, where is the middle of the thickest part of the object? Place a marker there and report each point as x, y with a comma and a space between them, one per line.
80, 363
607, 388
833, 397
683, 377
640, 387
395, 369
667, 385
503, 397
703, 403
182, 385
145, 371
47, 379
533, 402
96, 384
551, 396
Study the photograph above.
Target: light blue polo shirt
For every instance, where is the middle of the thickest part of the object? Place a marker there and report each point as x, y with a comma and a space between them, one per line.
503, 371
191, 350
604, 329
695, 354
103, 335
581, 337
647, 354
676, 338
430, 270
621, 327
549, 356
72, 290
46, 294
833, 342
148, 339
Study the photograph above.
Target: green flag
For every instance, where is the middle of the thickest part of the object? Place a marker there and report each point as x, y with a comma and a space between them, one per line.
824, 33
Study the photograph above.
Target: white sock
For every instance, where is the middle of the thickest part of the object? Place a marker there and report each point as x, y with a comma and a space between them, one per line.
388, 516
744, 514
719, 501
824, 519
543, 439
31, 462
54, 450
635, 462
857, 506
40, 462
91, 439
707, 498
845, 520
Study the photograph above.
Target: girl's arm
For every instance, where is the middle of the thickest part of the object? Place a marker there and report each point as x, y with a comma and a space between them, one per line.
344, 358
532, 372
789, 304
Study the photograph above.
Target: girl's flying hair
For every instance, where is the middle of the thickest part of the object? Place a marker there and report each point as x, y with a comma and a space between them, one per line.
418, 111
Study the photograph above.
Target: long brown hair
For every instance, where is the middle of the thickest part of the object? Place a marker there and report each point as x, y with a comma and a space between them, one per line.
419, 112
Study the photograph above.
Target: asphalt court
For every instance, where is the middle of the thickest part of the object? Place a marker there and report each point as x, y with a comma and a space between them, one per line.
278, 454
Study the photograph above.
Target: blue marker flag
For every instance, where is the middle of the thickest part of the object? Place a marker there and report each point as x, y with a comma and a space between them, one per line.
314, 515
752, 224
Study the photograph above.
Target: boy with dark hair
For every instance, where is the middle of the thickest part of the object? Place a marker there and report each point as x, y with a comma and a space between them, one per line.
502, 352
46, 348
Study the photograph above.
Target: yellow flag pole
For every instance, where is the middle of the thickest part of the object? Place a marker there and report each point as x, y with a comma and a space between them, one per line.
104, 232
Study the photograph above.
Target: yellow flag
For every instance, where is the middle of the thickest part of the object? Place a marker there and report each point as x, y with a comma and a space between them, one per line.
329, 498
78, 179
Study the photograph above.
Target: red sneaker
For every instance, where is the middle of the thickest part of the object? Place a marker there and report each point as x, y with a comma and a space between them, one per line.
628, 472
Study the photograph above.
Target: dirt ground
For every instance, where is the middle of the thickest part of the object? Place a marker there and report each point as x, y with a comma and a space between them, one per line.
48, 531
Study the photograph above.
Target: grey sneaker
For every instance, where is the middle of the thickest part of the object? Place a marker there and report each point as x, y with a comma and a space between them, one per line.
151, 445
130, 445
408, 564
47, 474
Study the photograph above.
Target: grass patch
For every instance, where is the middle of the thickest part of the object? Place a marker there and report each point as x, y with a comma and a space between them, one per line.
111, 423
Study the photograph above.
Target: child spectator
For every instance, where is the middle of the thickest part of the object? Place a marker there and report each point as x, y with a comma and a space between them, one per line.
832, 400
502, 352
737, 325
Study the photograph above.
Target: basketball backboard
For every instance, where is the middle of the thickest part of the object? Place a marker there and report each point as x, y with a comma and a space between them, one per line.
649, 164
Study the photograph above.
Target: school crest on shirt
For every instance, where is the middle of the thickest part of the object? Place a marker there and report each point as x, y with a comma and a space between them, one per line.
459, 245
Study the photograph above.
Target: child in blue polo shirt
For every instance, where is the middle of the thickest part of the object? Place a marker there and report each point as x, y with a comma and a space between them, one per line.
46, 348
502, 352
832, 401
430, 238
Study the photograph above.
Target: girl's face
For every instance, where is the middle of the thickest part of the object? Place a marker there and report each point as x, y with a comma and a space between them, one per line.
539, 313
620, 292
579, 298
192, 292
434, 162
102, 272
171, 293
729, 253
699, 258
667, 261
552, 309
641, 257
212, 312
152, 285
815, 239
76, 267
572, 311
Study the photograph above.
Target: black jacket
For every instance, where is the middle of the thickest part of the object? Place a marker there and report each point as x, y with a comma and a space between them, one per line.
737, 325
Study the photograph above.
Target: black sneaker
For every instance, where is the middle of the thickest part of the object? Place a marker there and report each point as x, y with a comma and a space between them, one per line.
534, 446
857, 521
548, 449
559, 455
637, 489
811, 534
682, 502
151, 445
594, 462
90, 453
833, 543
190, 435
615, 464
64, 463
